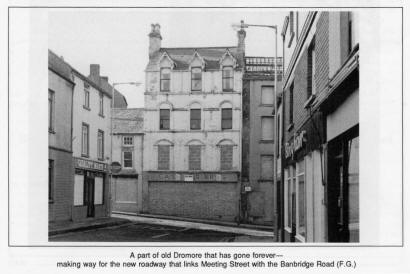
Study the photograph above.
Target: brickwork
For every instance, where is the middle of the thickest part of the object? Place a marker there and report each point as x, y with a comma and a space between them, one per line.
60, 207
194, 200
322, 52
194, 157
226, 157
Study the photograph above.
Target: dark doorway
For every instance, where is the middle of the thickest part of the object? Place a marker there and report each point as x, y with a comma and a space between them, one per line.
89, 194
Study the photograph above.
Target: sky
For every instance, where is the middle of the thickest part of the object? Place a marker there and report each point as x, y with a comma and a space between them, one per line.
117, 39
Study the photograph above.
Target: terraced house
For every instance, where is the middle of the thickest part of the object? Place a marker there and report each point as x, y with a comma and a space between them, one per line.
192, 127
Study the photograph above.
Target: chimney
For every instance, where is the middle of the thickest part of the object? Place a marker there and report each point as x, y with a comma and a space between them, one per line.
154, 39
241, 40
104, 78
95, 72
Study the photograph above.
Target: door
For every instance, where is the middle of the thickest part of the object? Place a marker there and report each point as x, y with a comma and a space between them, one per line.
89, 194
343, 189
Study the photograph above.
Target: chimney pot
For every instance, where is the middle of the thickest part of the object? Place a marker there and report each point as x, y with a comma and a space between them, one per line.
154, 39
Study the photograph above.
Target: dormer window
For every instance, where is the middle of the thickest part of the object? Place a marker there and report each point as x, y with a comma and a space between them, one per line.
165, 81
227, 79
196, 79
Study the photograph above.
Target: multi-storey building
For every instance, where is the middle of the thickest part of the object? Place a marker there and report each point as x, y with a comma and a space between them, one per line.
127, 150
320, 134
60, 167
192, 126
91, 148
258, 139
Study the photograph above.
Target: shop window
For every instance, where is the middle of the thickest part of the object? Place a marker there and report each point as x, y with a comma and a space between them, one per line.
98, 191
267, 128
100, 145
267, 167
267, 96
311, 90
196, 79
195, 119
226, 122
163, 157
227, 78
194, 157
50, 180
78, 189
290, 189
301, 200
226, 157
165, 79
51, 107
164, 117
101, 101
85, 140
128, 140
127, 159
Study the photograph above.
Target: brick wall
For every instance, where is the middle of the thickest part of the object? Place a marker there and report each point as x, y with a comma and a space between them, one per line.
60, 208
322, 52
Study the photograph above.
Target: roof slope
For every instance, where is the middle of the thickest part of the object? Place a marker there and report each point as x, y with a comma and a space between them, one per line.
182, 56
130, 120
59, 66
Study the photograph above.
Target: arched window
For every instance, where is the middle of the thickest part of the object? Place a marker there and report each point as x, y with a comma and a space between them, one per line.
195, 154
226, 154
164, 148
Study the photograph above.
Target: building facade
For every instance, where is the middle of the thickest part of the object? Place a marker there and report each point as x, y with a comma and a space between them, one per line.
320, 134
192, 127
91, 148
258, 139
60, 165
128, 126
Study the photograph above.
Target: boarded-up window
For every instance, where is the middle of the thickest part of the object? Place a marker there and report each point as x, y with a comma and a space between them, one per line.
98, 191
163, 157
267, 96
226, 157
267, 167
78, 189
194, 157
267, 128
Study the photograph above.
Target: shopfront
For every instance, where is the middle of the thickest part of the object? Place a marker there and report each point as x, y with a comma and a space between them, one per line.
90, 189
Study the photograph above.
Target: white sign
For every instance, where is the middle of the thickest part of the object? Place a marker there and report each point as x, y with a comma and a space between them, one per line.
188, 178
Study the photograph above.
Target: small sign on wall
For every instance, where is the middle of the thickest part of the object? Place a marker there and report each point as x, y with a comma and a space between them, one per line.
188, 177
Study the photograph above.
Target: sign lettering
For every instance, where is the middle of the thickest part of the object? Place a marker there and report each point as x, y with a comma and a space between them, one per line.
295, 145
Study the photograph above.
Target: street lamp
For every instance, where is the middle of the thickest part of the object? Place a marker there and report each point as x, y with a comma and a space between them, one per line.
242, 25
112, 125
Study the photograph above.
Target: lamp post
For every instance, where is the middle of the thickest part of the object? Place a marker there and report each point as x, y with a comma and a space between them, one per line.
112, 125
242, 25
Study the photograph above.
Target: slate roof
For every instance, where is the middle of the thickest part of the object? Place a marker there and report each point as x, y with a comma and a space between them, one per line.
130, 120
182, 56
57, 64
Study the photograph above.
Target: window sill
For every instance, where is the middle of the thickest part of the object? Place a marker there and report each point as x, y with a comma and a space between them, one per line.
226, 129
227, 90
289, 128
87, 108
51, 131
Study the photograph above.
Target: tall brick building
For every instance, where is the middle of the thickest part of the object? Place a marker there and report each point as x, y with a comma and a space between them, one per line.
258, 139
192, 126
320, 135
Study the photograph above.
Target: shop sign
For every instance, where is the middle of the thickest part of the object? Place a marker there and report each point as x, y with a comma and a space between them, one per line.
296, 144
89, 164
188, 178
193, 177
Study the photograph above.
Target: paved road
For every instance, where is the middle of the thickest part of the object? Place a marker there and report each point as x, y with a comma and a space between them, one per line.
138, 232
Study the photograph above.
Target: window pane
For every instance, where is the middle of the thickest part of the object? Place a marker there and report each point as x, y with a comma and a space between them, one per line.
164, 118
227, 72
194, 157
267, 95
196, 84
127, 158
226, 118
127, 140
195, 119
267, 128
163, 157
165, 74
226, 157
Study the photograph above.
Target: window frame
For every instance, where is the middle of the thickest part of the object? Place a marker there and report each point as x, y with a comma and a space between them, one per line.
230, 78
169, 119
86, 103
290, 175
101, 102
87, 154
100, 151
192, 120
131, 138
195, 79
132, 159
51, 107
164, 79
226, 119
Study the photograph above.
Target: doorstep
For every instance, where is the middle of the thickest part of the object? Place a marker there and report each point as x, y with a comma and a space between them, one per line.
55, 228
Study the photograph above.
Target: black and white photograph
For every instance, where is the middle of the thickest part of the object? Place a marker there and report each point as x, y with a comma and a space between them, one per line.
238, 136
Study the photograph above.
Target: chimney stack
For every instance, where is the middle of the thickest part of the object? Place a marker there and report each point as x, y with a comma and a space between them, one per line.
154, 39
241, 40
95, 72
